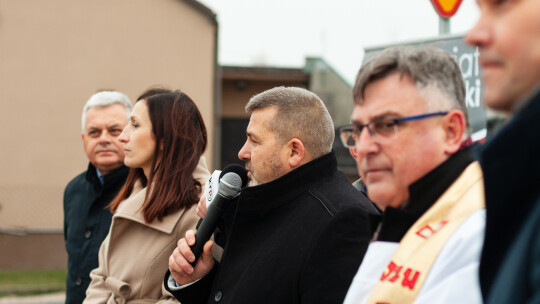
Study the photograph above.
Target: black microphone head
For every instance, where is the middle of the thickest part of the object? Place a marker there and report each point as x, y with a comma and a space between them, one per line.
229, 185
238, 169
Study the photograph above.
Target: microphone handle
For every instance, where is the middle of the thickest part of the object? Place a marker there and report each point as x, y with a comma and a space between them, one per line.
206, 229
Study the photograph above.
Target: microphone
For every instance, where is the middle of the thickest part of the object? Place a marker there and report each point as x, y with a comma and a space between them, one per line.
229, 187
211, 187
238, 169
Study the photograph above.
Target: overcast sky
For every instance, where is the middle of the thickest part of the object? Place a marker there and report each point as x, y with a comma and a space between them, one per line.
283, 32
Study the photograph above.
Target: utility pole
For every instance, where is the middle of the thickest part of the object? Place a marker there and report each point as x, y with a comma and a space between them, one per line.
445, 9
444, 26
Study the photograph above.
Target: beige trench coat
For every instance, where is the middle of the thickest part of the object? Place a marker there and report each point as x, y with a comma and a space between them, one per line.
134, 256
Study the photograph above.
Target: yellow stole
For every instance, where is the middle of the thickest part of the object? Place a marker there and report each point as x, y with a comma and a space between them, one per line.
405, 274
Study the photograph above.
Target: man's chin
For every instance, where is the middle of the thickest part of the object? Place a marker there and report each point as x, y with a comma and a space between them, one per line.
382, 195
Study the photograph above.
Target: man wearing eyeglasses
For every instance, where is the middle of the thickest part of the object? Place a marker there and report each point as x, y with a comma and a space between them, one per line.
408, 136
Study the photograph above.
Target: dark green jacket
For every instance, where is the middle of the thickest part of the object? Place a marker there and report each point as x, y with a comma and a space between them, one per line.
510, 263
86, 224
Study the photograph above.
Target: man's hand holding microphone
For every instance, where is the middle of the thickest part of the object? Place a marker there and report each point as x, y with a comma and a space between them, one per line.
192, 259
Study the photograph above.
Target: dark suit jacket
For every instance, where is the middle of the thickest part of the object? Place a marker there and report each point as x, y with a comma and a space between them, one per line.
86, 224
518, 278
511, 165
297, 239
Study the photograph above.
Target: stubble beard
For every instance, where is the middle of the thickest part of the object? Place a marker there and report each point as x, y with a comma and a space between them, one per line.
275, 167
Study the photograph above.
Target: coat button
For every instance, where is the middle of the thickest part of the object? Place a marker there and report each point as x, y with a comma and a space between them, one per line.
78, 281
88, 234
218, 296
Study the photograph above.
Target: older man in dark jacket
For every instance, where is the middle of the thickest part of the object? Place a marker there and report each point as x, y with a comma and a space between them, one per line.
299, 232
86, 218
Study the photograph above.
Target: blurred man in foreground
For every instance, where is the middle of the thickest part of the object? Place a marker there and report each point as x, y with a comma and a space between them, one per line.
86, 218
298, 233
408, 127
508, 38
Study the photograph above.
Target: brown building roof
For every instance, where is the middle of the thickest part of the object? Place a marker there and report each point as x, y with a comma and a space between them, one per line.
264, 73
203, 9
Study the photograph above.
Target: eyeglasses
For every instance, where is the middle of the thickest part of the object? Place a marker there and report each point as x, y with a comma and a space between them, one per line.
382, 128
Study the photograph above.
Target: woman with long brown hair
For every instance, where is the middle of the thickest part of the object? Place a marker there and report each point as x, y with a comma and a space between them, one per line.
163, 144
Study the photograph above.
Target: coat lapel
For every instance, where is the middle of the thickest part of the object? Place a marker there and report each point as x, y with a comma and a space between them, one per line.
131, 209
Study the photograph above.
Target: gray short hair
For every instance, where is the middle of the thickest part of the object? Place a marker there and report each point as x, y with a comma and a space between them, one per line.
429, 67
300, 114
106, 98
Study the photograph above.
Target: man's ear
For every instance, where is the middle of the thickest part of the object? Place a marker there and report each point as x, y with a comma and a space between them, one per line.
297, 153
455, 125
353, 152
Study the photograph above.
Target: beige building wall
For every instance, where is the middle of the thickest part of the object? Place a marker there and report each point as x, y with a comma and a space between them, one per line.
54, 54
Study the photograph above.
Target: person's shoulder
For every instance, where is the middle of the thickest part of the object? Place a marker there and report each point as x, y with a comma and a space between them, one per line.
531, 225
77, 181
78, 187
342, 195
465, 243
473, 227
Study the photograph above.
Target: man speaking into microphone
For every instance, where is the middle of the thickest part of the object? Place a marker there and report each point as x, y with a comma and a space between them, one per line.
298, 232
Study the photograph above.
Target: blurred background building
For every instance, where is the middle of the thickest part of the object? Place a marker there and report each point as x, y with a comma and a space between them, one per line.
53, 56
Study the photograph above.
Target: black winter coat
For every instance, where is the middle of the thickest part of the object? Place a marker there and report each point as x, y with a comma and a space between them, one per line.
510, 263
86, 224
297, 239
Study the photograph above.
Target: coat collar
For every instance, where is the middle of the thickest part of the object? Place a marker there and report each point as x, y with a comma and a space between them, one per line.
511, 174
511, 164
111, 180
282, 190
513, 151
425, 191
423, 194
131, 207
